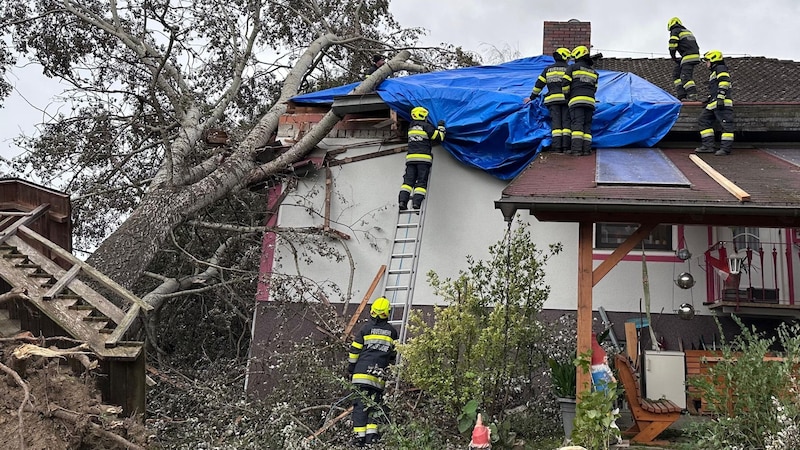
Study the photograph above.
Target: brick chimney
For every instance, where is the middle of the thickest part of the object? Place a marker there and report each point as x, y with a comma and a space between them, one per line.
568, 34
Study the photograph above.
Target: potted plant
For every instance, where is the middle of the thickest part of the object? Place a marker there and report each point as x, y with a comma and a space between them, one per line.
563, 375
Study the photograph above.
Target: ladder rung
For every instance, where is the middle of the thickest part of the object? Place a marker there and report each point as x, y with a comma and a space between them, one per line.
402, 255
395, 288
405, 240
399, 271
407, 225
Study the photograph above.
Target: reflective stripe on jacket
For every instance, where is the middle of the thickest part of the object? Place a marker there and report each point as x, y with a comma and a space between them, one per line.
583, 83
553, 77
421, 137
719, 86
372, 350
683, 41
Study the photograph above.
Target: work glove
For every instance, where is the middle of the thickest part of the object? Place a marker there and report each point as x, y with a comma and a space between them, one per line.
351, 368
441, 123
720, 103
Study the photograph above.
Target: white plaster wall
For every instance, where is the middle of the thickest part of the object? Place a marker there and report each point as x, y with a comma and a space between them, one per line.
461, 220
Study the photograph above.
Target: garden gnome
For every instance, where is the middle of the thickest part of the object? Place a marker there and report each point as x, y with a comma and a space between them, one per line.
481, 435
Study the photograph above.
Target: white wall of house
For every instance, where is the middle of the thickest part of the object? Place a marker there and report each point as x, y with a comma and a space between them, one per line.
461, 220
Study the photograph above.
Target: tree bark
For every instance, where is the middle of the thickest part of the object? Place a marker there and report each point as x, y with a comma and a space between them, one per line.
127, 252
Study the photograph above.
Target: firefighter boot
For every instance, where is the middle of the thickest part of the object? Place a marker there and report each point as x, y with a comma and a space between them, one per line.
403, 200
724, 148
576, 147
707, 146
358, 442
587, 148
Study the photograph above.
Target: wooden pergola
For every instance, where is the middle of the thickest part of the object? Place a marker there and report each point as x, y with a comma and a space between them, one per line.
766, 193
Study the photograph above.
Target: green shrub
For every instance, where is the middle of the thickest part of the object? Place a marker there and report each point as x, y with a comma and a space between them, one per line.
487, 346
742, 390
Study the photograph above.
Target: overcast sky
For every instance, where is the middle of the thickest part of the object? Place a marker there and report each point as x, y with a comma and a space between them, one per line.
620, 28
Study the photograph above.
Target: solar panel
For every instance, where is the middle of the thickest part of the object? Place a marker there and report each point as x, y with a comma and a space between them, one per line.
790, 155
637, 166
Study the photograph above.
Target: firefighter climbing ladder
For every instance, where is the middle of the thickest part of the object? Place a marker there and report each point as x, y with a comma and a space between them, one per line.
401, 271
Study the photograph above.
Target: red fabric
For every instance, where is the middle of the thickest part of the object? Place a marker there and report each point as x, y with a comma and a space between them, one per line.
598, 354
480, 435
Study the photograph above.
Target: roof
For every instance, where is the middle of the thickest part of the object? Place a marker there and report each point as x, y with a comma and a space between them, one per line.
755, 79
490, 127
557, 187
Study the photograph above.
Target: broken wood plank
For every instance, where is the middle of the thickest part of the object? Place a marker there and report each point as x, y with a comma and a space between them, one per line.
62, 282
719, 178
89, 270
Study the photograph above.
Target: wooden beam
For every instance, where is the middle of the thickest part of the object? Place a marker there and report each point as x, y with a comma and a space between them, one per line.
719, 178
583, 378
62, 282
631, 342
349, 328
620, 252
24, 220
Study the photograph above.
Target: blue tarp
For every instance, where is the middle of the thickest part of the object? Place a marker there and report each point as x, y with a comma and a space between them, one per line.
490, 128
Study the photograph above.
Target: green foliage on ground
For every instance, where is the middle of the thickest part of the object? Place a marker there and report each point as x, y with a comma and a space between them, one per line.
489, 344
754, 402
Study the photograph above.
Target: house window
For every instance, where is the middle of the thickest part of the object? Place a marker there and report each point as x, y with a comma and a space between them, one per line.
610, 235
745, 237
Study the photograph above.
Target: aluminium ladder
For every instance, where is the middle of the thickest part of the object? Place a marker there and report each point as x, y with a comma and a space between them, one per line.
401, 271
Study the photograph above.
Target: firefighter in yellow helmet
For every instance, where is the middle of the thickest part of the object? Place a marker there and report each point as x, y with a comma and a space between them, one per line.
582, 80
555, 100
719, 107
372, 351
683, 42
422, 135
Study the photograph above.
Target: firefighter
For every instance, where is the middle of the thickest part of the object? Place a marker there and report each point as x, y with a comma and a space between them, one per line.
582, 81
371, 352
683, 42
719, 106
553, 77
421, 137
377, 62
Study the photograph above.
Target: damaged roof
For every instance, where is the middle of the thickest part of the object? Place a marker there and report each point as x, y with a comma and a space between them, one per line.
557, 187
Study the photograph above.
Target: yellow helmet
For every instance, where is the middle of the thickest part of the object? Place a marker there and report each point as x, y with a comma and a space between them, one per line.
713, 56
380, 307
563, 53
580, 51
672, 22
419, 113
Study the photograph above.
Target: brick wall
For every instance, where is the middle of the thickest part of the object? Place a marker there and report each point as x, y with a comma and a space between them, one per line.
566, 34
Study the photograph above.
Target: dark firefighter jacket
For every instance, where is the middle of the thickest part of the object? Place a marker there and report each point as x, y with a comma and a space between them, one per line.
553, 77
719, 86
372, 351
421, 137
682, 41
583, 83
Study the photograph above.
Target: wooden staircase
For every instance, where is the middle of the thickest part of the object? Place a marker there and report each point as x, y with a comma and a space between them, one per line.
59, 303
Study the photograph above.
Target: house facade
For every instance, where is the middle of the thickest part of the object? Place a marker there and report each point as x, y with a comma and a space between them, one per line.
347, 195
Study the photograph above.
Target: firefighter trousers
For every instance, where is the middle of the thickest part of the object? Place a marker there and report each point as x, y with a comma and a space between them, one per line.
415, 182
560, 127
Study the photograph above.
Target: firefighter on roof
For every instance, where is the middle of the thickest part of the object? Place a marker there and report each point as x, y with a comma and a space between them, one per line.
582, 81
556, 101
719, 106
372, 351
682, 41
421, 137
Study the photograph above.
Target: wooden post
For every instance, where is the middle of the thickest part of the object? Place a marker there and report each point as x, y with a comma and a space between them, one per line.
583, 379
